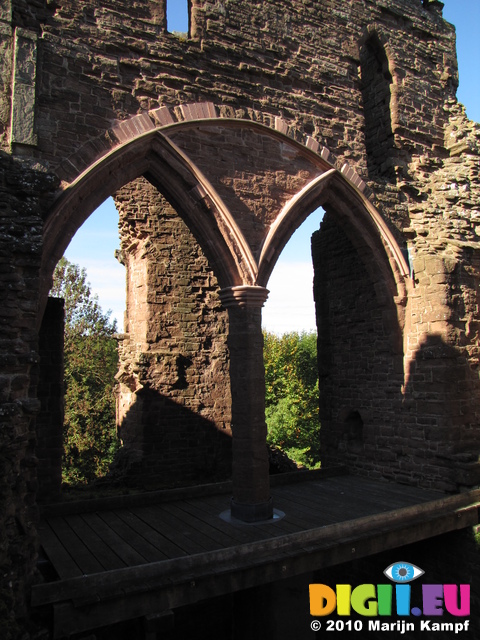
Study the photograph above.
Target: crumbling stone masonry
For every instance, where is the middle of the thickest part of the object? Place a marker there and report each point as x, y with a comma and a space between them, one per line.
174, 399
263, 112
434, 362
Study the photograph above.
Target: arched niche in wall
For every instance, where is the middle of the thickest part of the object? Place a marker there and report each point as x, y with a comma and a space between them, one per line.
376, 82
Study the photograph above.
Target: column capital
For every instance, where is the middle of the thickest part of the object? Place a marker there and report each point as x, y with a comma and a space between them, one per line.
244, 296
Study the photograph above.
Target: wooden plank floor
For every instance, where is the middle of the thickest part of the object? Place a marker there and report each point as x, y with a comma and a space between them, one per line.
143, 554
86, 543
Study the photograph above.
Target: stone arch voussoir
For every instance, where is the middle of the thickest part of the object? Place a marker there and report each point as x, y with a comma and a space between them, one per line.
138, 146
128, 130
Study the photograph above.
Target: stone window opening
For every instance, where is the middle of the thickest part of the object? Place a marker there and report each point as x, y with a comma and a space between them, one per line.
178, 17
376, 81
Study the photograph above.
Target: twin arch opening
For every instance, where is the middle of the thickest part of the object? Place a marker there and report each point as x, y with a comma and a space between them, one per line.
242, 249
242, 189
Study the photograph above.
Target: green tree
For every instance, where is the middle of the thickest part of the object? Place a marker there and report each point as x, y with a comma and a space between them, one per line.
291, 401
90, 360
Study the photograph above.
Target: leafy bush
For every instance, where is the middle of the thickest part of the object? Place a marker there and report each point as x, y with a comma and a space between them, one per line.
291, 401
90, 361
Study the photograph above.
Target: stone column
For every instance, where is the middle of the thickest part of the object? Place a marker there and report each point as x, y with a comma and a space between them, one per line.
251, 500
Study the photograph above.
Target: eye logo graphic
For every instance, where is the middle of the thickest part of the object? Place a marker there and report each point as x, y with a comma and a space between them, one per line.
402, 572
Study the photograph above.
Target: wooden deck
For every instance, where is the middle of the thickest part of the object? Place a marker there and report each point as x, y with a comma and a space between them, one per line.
130, 556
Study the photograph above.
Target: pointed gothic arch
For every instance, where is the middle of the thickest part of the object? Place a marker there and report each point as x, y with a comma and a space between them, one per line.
242, 188
163, 156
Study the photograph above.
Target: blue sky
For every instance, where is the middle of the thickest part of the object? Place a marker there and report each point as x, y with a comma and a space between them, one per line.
177, 15
94, 244
465, 15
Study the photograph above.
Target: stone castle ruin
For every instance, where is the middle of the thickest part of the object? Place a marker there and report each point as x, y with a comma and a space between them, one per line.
216, 146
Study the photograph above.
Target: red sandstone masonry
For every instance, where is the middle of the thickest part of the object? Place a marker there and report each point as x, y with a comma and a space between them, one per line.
174, 346
133, 127
162, 116
295, 66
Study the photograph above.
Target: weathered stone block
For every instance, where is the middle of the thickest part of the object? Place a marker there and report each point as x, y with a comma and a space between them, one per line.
24, 88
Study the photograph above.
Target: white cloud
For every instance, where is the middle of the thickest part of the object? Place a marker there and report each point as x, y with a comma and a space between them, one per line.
290, 305
108, 283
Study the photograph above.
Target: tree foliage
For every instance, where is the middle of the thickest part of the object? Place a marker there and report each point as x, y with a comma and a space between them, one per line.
90, 361
291, 401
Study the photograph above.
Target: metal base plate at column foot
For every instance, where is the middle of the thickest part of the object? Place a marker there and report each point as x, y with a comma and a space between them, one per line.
227, 516
252, 513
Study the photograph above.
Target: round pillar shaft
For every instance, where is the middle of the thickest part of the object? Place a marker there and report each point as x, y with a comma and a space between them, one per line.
251, 500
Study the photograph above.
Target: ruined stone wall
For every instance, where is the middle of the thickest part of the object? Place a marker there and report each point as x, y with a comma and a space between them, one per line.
443, 334
310, 63
21, 191
174, 407
84, 67
298, 61
423, 422
360, 360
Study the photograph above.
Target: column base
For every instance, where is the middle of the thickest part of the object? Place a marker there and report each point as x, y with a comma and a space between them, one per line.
252, 512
